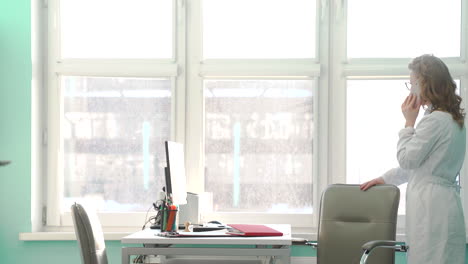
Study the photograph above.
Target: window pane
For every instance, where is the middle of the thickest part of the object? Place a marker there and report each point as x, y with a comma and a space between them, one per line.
402, 28
116, 29
259, 29
372, 129
114, 131
258, 145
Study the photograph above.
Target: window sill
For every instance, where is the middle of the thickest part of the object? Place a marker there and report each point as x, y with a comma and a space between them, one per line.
66, 236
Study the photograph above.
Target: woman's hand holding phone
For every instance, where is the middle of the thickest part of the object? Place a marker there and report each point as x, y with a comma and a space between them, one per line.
410, 109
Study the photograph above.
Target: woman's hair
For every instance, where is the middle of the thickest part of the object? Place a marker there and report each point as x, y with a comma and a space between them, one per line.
437, 86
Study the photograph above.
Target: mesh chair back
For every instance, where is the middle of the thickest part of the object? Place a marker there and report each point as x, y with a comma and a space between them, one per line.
350, 217
89, 235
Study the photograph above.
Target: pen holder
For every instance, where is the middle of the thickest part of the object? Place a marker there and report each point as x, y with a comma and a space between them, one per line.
169, 218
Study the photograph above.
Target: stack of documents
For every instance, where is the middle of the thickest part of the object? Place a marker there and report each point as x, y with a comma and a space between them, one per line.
232, 230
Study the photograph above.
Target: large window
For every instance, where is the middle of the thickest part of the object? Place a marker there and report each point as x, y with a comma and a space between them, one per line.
372, 129
116, 29
112, 82
273, 100
260, 29
403, 29
380, 44
258, 143
113, 140
258, 83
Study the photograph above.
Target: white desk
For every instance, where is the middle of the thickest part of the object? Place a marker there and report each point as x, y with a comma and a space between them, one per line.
151, 244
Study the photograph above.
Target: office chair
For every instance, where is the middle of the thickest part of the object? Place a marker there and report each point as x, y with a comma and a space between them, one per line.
351, 219
89, 235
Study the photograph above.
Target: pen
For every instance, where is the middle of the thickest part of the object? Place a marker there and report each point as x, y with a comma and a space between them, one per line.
164, 218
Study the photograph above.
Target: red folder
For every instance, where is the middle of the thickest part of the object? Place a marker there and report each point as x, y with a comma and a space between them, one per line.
252, 230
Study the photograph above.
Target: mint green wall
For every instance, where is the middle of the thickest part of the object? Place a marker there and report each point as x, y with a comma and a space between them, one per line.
15, 145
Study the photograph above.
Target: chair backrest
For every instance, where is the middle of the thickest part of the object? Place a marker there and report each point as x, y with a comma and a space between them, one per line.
350, 217
89, 235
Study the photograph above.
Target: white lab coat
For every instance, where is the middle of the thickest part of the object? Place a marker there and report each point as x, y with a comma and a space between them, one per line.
430, 158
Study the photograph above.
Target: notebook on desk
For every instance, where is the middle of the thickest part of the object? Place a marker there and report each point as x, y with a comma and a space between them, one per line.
252, 230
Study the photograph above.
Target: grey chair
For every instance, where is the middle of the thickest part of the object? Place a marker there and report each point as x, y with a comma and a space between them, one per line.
89, 236
352, 220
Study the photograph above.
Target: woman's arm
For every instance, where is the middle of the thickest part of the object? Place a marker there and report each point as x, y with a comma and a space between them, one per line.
396, 176
415, 145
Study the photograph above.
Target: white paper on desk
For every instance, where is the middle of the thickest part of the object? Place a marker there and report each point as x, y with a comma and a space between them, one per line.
216, 233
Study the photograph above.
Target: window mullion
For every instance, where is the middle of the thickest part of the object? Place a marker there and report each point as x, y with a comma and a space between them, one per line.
112, 68
180, 43
337, 94
54, 178
463, 94
295, 68
464, 31
321, 109
464, 170
194, 100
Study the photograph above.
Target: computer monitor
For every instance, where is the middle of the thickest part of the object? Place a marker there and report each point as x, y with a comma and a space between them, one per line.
175, 173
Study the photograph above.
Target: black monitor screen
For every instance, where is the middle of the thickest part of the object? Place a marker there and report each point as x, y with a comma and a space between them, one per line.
175, 173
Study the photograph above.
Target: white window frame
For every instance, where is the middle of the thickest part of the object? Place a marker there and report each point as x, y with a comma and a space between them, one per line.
199, 70
330, 69
463, 75
153, 68
378, 68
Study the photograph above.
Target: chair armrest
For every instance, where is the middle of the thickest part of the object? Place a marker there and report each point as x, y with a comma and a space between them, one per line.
303, 242
312, 244
369, 246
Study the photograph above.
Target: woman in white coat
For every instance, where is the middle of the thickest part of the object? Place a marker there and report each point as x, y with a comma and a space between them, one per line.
430, 157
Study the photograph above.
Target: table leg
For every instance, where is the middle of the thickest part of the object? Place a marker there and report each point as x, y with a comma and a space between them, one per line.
125, 256
282, 259
285, 259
